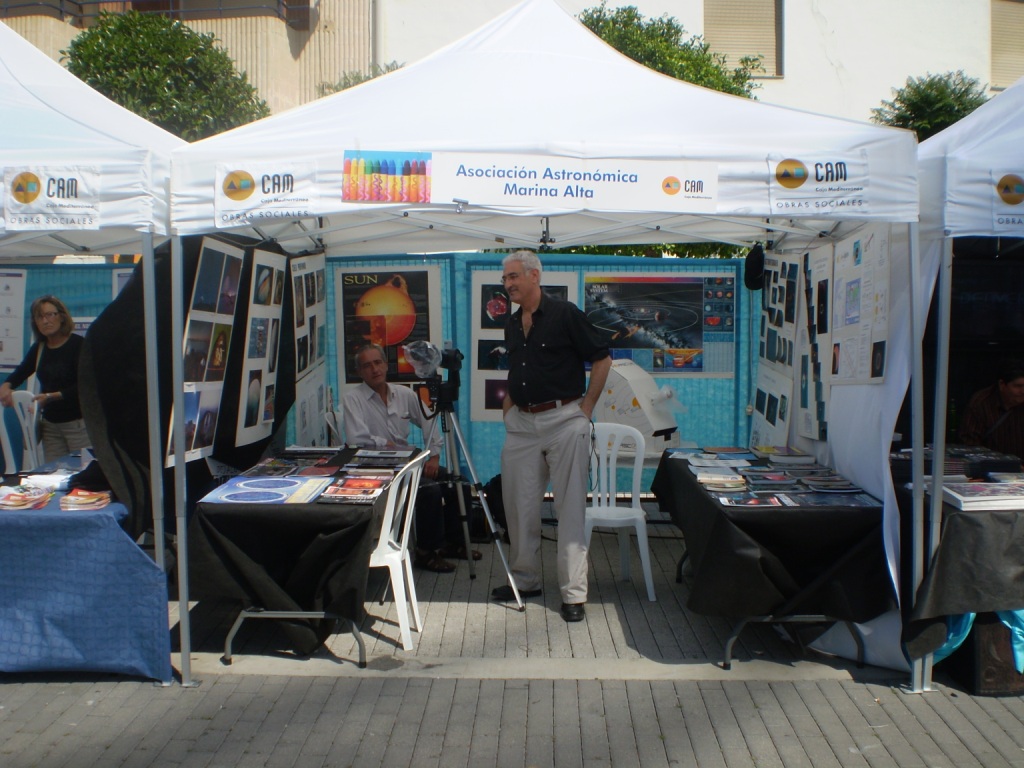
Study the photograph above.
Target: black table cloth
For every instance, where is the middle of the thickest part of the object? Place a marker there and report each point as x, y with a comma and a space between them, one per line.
775, 561
284, 557
978, 568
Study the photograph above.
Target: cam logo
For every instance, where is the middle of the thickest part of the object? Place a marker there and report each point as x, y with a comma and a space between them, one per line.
671, 185
1011, 189
239, 185
26, 187
791, 173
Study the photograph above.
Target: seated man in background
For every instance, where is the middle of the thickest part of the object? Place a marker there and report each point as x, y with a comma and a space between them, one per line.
995, 415
377, 415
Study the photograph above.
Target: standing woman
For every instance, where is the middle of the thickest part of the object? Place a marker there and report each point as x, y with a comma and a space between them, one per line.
53, 358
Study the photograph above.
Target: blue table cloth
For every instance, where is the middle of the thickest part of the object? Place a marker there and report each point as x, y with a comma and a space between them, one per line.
76, 593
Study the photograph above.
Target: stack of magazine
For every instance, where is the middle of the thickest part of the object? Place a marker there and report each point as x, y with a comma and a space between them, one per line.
366, 476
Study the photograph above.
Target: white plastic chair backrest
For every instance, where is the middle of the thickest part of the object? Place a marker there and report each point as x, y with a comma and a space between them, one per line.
334, 434
609, 439
12, 463
396, 523
28, 416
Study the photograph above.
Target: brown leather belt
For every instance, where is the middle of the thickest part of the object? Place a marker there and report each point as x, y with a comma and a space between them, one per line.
541, 407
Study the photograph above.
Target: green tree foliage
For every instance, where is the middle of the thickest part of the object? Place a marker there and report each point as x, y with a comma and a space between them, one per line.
351, 79
166, 72
931, 103
661, 44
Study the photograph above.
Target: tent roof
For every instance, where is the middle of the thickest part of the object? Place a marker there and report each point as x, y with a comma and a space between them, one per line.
52, 120
535, 83
961, 168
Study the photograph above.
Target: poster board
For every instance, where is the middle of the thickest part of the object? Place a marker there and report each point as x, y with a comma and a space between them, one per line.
860, 307
209, 332
262, 339
12, 319
490, 310
390, 307
307, 277
667, 323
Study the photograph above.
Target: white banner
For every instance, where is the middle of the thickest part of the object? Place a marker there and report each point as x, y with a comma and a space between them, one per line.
264, 192
819, 185
611, 184
51, 197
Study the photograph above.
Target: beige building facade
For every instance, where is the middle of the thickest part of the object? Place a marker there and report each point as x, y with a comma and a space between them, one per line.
828, 56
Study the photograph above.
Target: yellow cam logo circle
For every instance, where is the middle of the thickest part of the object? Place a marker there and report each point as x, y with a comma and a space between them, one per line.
1011, 189
671, 185
26, 187
791, 173
238, 185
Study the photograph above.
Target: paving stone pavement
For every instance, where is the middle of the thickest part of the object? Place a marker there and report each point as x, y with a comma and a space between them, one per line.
242, 720
639, 683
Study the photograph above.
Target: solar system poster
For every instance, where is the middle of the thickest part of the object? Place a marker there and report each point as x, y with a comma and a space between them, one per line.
209, 331
665, 323
262, 342
490, 310
387, 307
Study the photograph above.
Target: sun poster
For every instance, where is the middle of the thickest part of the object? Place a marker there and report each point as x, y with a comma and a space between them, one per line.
667, 323
490, 310
307, 277
208, 336
386, 307
262, 343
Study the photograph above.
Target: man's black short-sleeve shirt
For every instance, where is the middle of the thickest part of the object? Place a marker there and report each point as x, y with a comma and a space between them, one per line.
549, 363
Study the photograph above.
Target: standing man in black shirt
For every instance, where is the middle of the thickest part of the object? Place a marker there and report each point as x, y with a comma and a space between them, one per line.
548, 432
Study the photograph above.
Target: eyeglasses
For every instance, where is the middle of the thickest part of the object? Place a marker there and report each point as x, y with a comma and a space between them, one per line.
47, 315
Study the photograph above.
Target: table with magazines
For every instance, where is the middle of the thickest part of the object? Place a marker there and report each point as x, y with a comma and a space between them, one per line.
978, 567
78, 594
266, 541
777, 563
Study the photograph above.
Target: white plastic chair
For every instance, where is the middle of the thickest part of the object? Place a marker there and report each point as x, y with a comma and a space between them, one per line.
334, 433
392, 548
11, 462
608, 440
28, 417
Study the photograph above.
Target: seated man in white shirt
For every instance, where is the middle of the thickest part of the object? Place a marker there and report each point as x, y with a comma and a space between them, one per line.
377, 415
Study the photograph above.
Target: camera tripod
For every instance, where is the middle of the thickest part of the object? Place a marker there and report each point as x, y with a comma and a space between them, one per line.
445, 412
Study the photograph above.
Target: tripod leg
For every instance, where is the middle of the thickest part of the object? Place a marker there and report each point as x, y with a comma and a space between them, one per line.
457, 487
495, 536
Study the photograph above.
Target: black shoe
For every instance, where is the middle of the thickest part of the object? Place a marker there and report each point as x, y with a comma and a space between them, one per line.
572, 611
505, 593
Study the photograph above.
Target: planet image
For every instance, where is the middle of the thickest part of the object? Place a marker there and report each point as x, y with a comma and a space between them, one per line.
390, 311
252, 403
497, 307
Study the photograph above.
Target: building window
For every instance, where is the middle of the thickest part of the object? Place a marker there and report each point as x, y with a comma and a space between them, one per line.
1007, 50
739, 28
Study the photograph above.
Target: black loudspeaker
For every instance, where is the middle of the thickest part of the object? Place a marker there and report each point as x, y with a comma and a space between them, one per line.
753, 268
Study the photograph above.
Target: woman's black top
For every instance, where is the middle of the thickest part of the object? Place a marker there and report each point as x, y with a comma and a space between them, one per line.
57, 372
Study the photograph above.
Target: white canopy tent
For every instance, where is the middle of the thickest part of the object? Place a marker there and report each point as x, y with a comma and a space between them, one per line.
972, 184
534, 83
533, 132
118, 162
81, 174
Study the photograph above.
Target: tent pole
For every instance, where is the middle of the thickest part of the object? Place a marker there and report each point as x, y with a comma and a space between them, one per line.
178, 432
920, 669
153, 398
930, 536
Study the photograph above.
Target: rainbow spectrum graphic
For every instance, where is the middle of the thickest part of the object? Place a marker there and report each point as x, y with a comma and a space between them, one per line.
386, 177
